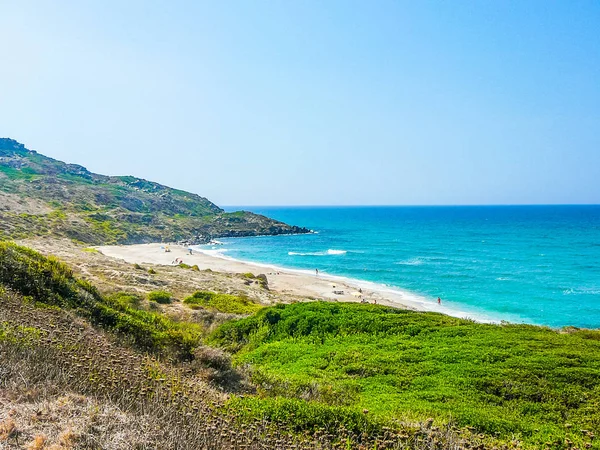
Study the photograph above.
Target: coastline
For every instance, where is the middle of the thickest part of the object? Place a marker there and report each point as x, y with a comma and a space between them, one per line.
284, 280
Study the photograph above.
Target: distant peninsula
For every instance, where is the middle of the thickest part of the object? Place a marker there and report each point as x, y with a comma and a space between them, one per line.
43, 196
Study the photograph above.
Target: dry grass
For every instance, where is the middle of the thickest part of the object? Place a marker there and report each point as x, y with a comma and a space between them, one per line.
113, 275
65, 385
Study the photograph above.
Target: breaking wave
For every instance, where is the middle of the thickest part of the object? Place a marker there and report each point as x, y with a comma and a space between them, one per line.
327, 253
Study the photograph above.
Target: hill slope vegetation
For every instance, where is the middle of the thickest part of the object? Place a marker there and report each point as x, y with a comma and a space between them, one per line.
531, 384
42, 196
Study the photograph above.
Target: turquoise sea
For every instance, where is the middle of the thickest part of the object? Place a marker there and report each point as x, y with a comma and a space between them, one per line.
532, 264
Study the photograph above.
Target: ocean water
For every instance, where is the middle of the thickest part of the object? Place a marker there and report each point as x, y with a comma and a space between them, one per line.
531, 264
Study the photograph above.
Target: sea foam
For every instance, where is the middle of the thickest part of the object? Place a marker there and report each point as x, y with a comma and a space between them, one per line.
328, 252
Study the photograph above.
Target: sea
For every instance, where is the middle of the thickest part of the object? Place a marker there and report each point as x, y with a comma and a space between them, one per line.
521, 264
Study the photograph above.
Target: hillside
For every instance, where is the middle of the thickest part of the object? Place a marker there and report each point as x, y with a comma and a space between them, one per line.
84, 369
42, 196
523, 383
93, 362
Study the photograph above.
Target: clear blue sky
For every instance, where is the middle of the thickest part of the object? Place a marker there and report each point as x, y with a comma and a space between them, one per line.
314, 102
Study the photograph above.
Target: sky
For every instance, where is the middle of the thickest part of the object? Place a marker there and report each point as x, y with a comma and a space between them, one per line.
314, 102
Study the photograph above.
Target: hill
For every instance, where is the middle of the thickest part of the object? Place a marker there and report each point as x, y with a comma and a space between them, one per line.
91, 366
43, 196
89, 370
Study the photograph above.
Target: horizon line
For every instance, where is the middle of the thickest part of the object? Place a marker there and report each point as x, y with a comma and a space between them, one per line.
409, 205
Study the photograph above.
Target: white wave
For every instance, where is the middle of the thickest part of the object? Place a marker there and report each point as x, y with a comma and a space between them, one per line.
581, 291
307, 253
214, 251
328, 252
411, 262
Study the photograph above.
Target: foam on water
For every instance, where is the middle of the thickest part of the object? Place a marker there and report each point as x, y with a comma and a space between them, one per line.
411, 262
326, 253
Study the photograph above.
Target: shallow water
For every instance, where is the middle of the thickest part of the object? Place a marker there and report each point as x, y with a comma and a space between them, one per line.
532, 264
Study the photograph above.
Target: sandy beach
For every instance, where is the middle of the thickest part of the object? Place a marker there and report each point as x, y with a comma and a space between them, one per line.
297, 283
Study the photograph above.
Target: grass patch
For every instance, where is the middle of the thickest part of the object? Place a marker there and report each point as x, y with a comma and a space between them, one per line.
222, 302
162, 297
535, 383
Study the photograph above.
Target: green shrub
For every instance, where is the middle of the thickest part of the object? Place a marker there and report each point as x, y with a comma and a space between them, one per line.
151, 271
262, 280
511, 380
161, 297
48, 281
222, 302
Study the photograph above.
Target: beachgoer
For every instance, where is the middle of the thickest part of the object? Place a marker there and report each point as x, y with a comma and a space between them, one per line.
360, 290
439, 301
317, 272
190, 250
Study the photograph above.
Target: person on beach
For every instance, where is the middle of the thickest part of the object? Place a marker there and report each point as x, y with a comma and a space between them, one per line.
439, 301
190, 250
317, 272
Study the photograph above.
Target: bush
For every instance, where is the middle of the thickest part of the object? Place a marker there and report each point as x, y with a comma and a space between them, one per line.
262, 279
516, 381
151, 271
50, 282
222, 302
214, 358
161, 297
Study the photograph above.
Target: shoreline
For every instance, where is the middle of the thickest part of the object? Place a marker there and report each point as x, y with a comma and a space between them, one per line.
296, 282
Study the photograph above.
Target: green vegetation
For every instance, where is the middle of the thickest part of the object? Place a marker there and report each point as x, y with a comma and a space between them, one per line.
344, 373
161, 297
49, 282
225, 303
260, 279
16, 174
100, 210
534, 383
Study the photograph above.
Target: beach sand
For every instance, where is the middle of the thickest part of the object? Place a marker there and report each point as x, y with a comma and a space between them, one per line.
291, 282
